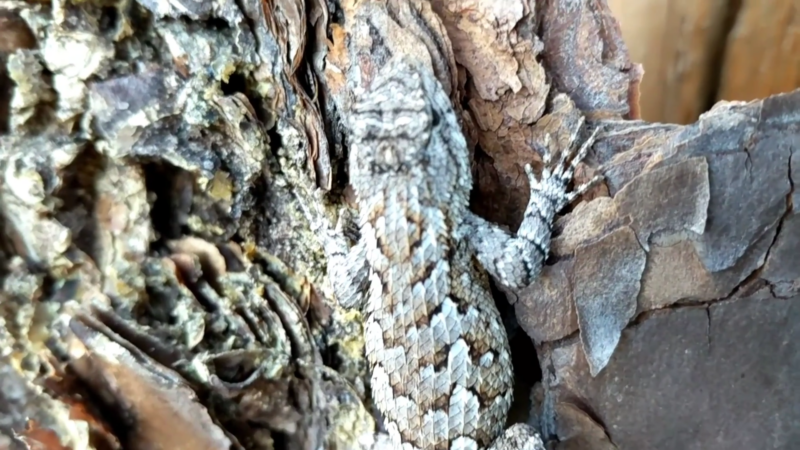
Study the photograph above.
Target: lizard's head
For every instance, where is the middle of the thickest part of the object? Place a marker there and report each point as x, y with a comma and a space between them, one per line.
392, 121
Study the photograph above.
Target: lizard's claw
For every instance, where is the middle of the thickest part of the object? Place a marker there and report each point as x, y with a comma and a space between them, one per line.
532, 177
555, 178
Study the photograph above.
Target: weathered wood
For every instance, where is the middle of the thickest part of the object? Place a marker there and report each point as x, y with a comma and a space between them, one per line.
677, 43
154, 160
696, 52
762, 53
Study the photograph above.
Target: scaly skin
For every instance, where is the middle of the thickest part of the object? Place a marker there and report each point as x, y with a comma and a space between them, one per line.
436, 345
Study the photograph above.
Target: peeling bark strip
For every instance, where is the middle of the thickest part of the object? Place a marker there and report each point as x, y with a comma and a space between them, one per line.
137, 142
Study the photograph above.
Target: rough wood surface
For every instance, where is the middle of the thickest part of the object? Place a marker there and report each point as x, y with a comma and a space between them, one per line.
762, 53
696, 52
161, 282
677, 43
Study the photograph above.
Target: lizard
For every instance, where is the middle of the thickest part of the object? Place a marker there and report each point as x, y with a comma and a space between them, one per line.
437, 350
441, 373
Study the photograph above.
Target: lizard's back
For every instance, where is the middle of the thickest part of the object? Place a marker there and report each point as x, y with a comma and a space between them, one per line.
441, 369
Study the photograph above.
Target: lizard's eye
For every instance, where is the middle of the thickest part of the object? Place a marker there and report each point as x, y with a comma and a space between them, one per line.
435, 118
389, 156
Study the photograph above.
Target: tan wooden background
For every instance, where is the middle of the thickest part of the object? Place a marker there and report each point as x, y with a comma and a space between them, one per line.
696, 52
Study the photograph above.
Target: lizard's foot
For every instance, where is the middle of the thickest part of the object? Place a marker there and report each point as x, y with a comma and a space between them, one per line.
347, 269
518, 437
554, 180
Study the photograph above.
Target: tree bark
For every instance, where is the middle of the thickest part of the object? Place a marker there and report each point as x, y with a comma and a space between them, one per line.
161, 285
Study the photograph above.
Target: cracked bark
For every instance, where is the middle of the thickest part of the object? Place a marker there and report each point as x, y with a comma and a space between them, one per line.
128, 130
699, 361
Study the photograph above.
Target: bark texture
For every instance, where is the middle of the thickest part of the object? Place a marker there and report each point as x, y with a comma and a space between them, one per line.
161, 286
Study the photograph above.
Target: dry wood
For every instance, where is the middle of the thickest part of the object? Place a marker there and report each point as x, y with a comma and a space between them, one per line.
157, 267
696, 52
762, 53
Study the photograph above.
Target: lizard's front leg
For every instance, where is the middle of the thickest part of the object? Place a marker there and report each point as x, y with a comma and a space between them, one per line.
347, 265
516, 260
